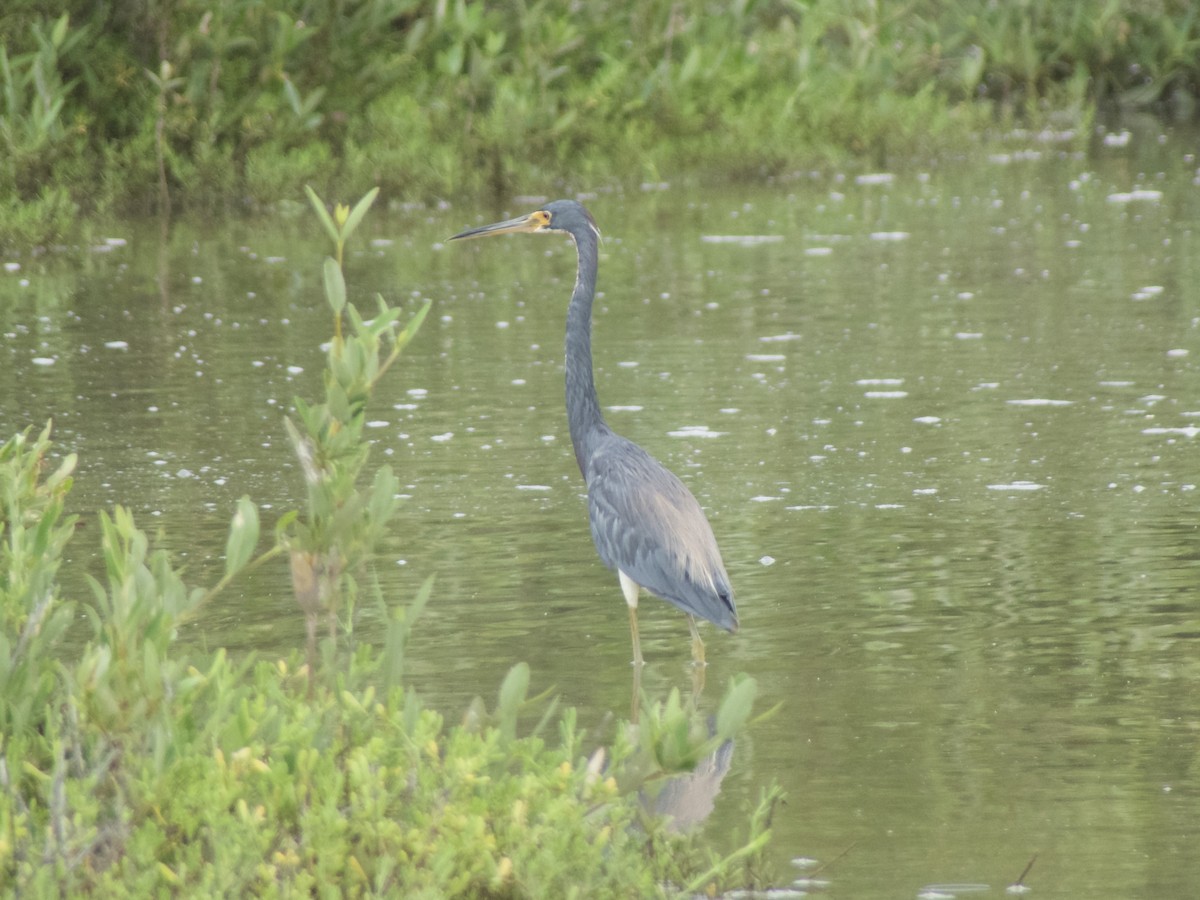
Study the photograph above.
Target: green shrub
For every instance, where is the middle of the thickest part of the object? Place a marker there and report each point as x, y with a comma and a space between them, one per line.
238, 99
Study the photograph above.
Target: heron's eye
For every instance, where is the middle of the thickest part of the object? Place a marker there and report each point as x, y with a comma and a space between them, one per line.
542, 218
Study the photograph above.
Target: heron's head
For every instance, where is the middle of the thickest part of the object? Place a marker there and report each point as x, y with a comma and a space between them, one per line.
559, 216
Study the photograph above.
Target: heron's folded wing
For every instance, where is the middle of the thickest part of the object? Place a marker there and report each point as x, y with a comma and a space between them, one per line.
647, 524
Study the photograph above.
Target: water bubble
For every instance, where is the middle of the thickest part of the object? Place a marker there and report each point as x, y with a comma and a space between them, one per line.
697, 431
932, 891
1189, 431
1132, 196
816, 884
741, 240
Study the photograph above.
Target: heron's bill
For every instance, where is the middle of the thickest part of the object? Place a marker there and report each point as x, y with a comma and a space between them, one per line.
535, 221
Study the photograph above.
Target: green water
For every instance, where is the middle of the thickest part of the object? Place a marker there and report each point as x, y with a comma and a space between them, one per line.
944, 423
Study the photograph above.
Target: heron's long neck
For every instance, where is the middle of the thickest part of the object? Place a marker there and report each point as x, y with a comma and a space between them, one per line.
583, 407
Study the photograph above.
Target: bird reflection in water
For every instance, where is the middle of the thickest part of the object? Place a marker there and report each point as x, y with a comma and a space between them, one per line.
687, 800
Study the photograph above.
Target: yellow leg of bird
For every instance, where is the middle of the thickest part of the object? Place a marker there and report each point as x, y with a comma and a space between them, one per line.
699, 666
638, 662
630, 589
698, 677
636, 702
697, 644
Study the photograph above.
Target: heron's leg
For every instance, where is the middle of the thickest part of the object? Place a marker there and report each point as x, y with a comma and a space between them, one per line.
636, 703
697, 644
638, 662
630, 588
697, 683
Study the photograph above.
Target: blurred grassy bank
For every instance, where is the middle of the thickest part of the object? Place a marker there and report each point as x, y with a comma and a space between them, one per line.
137, 106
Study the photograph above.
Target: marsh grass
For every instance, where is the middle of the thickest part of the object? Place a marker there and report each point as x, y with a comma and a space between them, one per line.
131, 765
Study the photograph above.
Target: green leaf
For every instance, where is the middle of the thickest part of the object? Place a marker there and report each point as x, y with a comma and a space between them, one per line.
737, 705
360, 210
494, 43
410, 329
450, 60
59, 34
284, 523
63, 473
384, 320
512, 695
399, 628
335, 286
322, 213
243, 536
691, 65
417, 607
293, 97
383, 497
310, 103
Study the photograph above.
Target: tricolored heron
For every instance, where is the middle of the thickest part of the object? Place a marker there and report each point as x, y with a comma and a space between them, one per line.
645, 522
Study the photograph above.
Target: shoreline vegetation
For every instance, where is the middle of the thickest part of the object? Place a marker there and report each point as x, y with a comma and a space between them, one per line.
151, 107
131, 765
